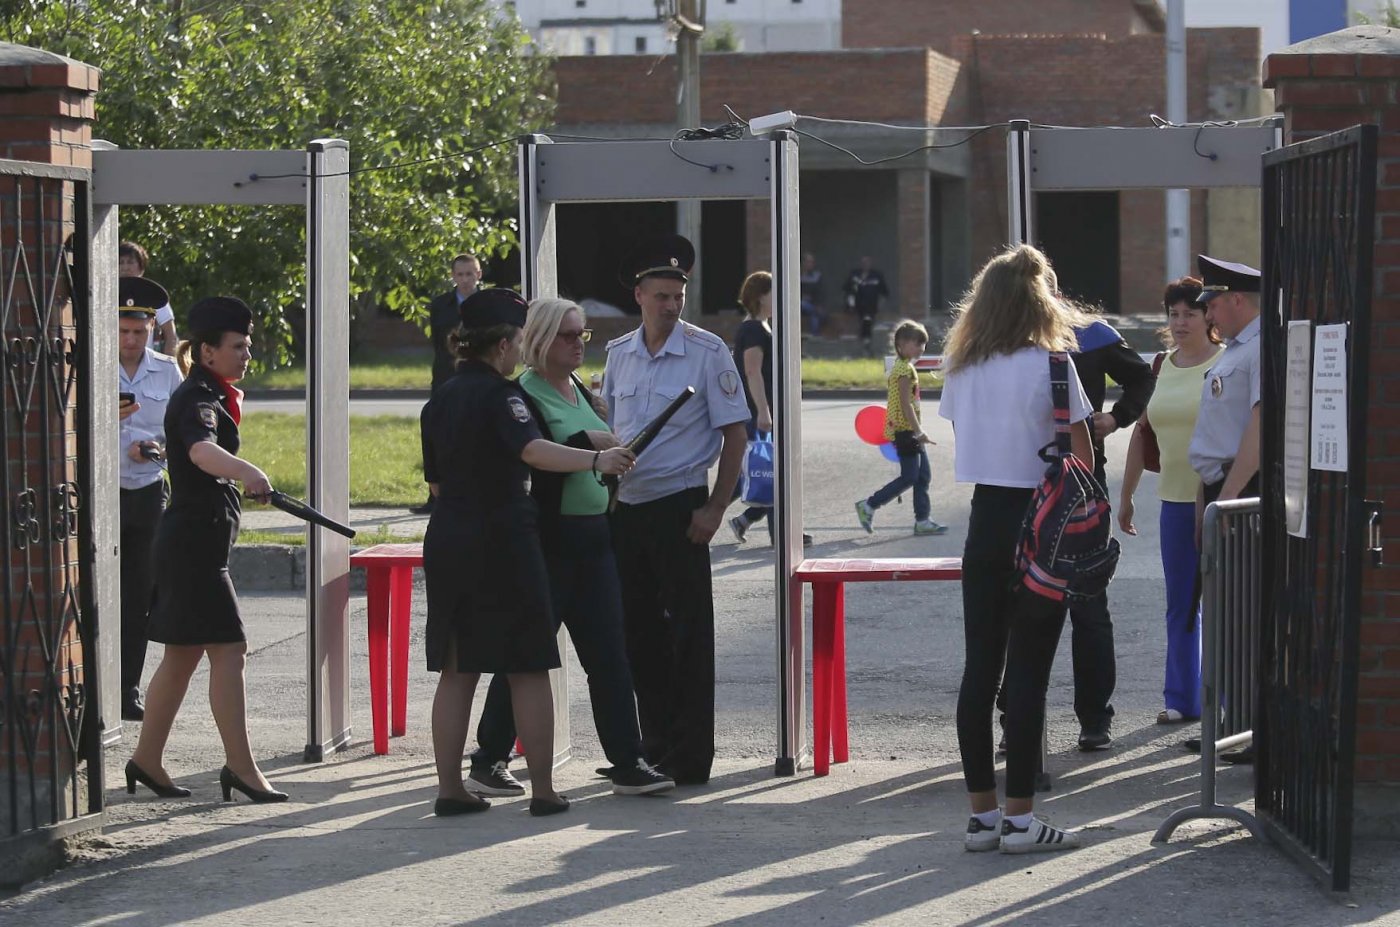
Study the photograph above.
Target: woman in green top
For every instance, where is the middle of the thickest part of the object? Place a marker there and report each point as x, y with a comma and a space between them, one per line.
578, 552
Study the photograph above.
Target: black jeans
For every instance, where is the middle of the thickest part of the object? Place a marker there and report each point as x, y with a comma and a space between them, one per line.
140, 516
1004, 628
587, 600
669, 615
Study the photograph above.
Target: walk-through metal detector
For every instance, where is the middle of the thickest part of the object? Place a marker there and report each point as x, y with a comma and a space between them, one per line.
1042, 159
317, 179
1060, 158
574, 172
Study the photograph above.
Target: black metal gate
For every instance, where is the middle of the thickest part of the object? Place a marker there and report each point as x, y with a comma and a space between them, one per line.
1319, 213
50, 749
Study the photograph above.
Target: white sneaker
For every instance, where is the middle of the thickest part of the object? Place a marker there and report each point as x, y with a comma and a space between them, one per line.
1037, 837
981, 837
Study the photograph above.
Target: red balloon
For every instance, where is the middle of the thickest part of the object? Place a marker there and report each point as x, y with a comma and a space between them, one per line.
870, 425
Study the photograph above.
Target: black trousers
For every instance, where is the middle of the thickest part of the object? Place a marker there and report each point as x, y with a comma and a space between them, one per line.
1006, 629
1095, 666
140, 516
669, 616
587, 599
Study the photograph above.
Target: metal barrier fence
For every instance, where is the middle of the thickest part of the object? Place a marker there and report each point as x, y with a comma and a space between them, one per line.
1230, 600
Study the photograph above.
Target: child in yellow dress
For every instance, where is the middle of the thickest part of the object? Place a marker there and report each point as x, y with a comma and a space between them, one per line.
903, 427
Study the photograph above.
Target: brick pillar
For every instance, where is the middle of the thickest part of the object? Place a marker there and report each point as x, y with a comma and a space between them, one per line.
913, 218
46, 109
1322, 85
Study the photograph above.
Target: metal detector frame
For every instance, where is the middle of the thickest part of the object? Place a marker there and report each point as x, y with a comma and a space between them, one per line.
552, 173
1060, 158
318, 180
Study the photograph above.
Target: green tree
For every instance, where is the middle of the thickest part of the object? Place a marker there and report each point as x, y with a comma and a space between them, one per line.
1388, 13
413, 85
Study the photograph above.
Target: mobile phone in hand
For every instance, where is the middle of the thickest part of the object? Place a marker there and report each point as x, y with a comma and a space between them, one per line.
126, 398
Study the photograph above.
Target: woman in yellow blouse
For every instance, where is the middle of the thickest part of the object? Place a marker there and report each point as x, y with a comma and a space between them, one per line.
1172, 416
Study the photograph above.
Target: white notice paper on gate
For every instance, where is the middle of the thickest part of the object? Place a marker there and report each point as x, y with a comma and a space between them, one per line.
1297, 395
1329, 399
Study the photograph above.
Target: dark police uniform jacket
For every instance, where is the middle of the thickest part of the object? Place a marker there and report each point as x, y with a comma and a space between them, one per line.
488, 589
195, 601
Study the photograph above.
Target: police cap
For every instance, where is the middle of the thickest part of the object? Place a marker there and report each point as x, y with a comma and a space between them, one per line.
671, 256
1225, 277
139, 298
214, 314
494, 306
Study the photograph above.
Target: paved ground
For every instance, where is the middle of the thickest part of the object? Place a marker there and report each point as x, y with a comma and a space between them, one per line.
878, 841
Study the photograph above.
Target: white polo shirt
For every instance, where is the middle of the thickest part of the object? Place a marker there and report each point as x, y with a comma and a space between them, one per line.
1003, 414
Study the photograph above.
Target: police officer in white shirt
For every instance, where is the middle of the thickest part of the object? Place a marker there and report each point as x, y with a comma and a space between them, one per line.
147, 380
1225, 445
666, 511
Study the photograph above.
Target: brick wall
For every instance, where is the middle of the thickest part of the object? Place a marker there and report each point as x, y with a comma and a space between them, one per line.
934, 23
45, 111
1061, 80
915, 85
1320, 93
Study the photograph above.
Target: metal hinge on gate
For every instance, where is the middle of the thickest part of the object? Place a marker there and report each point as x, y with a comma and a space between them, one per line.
1375, 542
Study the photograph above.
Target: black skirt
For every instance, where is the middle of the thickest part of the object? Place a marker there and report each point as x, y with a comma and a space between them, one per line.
488, 590
194, 600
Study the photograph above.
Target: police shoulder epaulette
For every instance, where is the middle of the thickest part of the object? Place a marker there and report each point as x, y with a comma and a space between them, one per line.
703, 338
618, 340
163, 358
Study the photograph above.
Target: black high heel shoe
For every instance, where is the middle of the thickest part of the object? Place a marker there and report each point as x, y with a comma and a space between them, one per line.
229, 782
135, 774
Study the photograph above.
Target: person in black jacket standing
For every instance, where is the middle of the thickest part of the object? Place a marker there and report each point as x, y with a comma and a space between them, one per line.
1102, 351
443, 314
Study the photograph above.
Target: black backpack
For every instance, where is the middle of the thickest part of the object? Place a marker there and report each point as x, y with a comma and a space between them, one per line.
1067, 551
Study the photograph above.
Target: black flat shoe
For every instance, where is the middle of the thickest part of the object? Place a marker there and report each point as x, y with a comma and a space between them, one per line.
135, 774
540, 807
448, 807
231, 783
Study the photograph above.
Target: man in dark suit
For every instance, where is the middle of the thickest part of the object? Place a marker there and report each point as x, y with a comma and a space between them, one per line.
443, 314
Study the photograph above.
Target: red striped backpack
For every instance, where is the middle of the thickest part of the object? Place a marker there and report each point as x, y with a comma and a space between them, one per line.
1067, 551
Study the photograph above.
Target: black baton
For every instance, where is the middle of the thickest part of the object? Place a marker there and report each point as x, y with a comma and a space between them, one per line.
645, 437
294, 506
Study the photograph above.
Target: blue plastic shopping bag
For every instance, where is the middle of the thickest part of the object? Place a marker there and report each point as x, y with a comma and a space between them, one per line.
756, 487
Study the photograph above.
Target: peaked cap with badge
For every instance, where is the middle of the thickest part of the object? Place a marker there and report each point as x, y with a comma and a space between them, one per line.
215, 314
139, 298
493, 306
671, 257
1219, 276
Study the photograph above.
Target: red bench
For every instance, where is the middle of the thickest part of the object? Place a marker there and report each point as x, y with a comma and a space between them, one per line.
828, 579
389, 594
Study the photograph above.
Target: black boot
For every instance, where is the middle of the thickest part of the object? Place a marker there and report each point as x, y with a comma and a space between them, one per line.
132, 707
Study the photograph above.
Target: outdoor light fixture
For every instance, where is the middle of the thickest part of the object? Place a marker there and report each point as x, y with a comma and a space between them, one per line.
772, 122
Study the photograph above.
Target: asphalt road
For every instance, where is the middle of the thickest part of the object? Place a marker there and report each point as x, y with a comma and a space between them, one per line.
878, 841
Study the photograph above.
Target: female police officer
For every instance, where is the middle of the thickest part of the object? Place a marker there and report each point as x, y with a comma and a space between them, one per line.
196, 611
488, 589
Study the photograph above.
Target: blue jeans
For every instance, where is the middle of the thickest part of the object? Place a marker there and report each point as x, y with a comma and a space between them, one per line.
1180, 560
913, 472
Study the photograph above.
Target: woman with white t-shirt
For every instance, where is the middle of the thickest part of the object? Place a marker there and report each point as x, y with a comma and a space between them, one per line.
996, 392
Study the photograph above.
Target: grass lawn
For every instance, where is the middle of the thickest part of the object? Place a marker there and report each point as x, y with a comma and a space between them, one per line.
380, 535
411, 372
386, 457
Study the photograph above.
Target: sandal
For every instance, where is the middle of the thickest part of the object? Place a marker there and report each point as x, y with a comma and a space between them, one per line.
1172, 716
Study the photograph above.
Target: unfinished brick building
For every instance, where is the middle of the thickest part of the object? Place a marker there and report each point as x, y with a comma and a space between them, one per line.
929, 219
